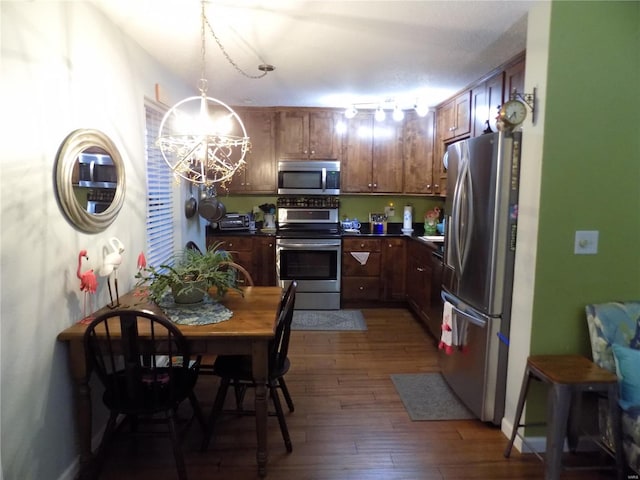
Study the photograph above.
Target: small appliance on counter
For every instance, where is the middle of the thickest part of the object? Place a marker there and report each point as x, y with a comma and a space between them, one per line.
234, 221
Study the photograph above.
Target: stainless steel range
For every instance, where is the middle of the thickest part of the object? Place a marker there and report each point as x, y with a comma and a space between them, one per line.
309, 250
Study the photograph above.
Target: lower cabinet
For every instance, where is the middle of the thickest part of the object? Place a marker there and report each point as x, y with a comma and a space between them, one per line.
264, 261
392, 276
424, 279
373, 269
436, 303
361, 275
256, 254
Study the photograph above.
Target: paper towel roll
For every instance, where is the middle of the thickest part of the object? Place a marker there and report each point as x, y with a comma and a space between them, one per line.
407, 217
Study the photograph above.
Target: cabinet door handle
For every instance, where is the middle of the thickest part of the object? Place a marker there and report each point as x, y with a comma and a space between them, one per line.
362, 245
375, 185
361, 287
369, 185
420, 269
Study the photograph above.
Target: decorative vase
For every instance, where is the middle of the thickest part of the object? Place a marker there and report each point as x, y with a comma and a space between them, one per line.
193, 294
430, 228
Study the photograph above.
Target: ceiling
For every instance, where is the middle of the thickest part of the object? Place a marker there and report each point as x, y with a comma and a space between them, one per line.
328, 53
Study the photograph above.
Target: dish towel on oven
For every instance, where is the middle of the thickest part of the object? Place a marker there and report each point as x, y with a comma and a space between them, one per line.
361, 257
454, 331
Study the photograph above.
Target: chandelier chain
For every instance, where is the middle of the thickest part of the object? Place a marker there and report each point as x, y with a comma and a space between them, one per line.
229, 59
203, 86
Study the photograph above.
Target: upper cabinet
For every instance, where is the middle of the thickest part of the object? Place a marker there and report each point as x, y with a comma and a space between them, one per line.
307, 134
487, 99
455, 117
259, 174
421, 174
372, 160
514, 78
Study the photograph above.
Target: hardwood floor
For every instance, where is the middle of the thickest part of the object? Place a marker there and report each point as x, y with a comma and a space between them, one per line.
348, 424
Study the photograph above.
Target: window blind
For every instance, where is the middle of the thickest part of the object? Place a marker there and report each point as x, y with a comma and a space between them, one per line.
160, 239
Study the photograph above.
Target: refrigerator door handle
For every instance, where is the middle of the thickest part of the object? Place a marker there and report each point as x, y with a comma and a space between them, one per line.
454, 220
462, 211
471, 314
468, 212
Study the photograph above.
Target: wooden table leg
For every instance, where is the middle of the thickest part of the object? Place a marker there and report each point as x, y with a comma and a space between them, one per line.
82, 390
260, 367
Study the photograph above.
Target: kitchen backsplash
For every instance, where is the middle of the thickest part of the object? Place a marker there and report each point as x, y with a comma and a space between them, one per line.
351, 206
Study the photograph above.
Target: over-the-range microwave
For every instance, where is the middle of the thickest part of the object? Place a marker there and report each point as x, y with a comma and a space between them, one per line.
308, 177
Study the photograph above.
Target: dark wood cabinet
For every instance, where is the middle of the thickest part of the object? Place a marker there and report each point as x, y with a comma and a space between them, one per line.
259, 173
424, 284
514, 79
264, 261
361, 278
436, 304
419, 278
308, 134
421, 173
392, 275
455, 116
373, 156
256, 254
486, 100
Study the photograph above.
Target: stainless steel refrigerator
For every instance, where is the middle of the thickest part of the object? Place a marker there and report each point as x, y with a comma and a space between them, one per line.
481, 211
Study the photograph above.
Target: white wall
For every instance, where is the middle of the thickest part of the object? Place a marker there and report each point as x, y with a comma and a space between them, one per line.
528, 208
64, 66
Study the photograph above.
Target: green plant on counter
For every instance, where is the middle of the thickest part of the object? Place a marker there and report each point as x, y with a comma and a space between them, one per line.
192, 273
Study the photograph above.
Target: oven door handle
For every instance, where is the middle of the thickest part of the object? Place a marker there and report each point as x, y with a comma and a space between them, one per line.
307, 246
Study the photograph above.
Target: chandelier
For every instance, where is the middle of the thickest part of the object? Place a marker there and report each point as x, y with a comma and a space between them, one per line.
202, 139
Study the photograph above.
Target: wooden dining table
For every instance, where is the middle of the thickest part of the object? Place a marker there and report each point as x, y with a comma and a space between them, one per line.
247, 332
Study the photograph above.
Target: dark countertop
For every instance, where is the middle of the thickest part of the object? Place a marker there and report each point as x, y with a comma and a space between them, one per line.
393, 230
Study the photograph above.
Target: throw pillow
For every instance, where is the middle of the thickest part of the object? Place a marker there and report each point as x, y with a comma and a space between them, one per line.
628, 370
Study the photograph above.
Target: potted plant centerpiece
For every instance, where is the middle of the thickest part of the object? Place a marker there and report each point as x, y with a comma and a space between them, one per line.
190, 274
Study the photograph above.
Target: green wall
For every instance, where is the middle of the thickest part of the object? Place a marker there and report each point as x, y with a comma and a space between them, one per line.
358, 206
590, 170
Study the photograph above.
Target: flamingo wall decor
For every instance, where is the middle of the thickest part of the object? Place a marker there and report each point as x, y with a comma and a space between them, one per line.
88, 285
110, 266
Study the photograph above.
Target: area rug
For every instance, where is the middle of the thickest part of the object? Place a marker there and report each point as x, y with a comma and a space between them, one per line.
328, 320
426, 396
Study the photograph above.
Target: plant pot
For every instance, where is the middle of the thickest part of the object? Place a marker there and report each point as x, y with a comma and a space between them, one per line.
189, 292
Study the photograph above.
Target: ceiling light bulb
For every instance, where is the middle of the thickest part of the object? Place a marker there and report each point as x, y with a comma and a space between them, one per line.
398, 115
421, 109
350, 112
380, 115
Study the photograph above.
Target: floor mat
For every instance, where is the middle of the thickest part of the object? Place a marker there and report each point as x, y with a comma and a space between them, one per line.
426, 396
328, 320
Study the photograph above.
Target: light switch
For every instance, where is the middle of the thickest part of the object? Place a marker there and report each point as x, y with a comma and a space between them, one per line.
586, 242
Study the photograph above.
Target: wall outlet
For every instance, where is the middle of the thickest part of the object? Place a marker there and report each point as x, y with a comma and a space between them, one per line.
389, 211
586, 242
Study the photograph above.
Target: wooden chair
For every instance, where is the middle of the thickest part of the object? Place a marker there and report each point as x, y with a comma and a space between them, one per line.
236, 370
244, 277
143, 361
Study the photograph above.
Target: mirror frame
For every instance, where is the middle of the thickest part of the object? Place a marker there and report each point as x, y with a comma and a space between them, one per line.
77, 142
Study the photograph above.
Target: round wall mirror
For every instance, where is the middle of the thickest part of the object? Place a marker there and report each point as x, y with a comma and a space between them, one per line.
90, 180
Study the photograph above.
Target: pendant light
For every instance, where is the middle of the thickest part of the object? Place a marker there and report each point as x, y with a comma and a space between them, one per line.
201, 138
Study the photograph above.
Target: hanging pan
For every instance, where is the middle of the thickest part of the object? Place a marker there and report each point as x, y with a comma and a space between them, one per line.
191, 205
211, 208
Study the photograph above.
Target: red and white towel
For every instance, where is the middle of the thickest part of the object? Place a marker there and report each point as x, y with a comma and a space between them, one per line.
454, 331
